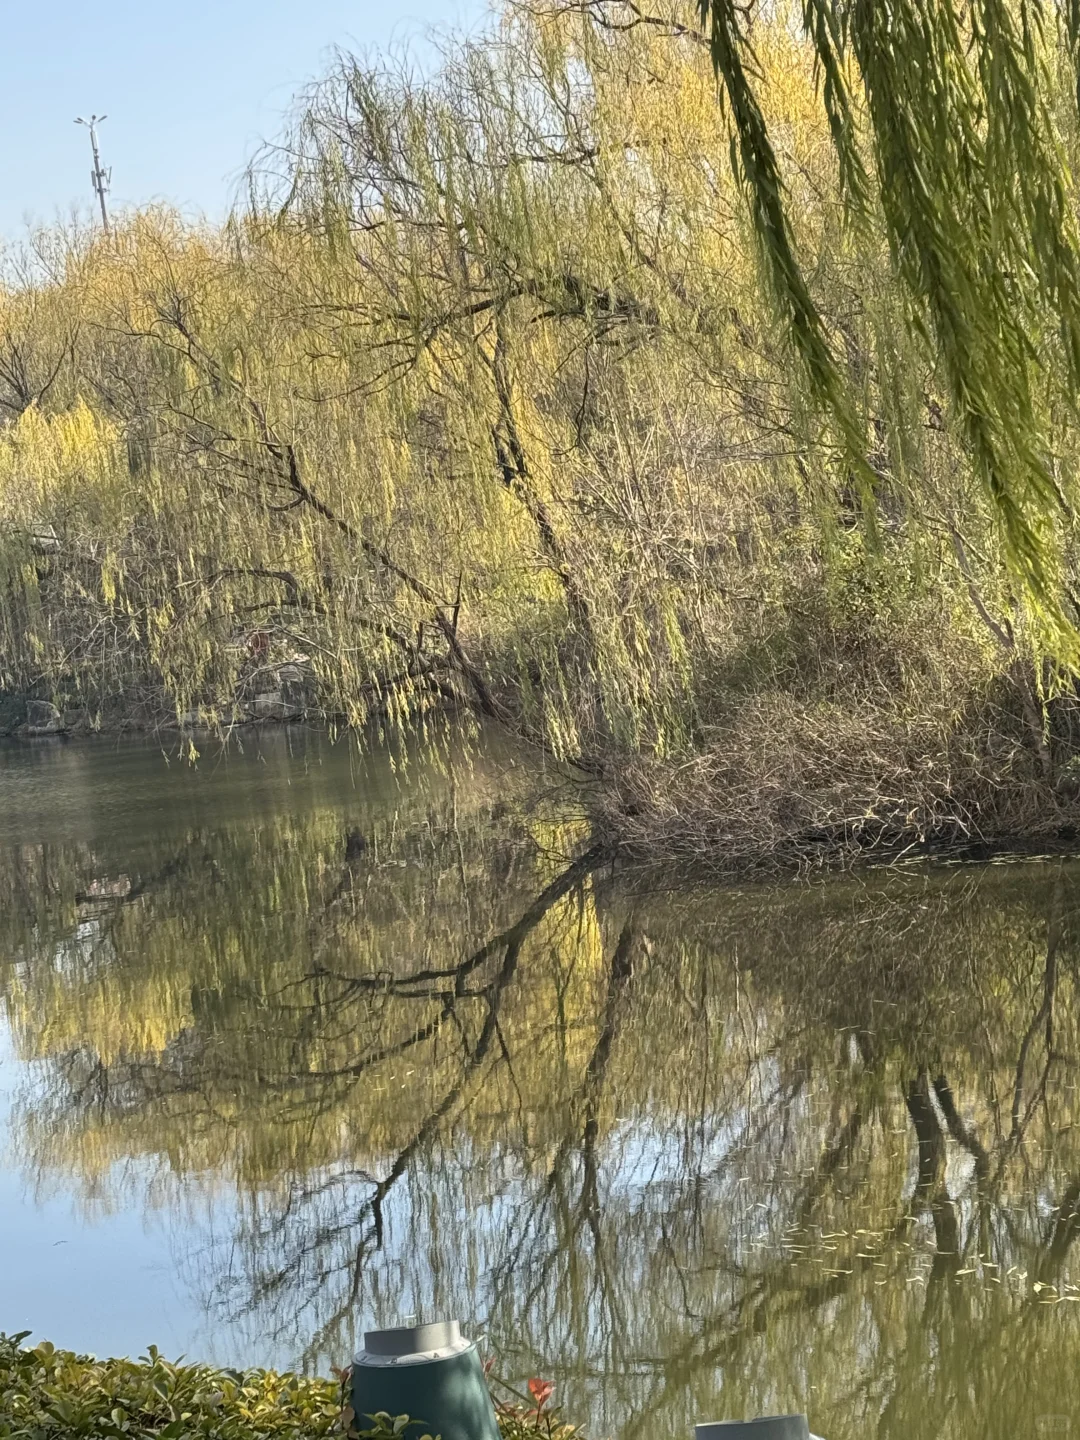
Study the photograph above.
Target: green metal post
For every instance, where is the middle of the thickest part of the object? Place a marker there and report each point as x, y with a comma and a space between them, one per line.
430, 1373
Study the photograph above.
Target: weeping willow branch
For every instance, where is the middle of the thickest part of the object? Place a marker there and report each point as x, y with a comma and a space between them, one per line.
969, 172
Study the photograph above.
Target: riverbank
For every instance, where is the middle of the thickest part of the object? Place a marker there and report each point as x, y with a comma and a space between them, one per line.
787, 783
50, 1394
812, 776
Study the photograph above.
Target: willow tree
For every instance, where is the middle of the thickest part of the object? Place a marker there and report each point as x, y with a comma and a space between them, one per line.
950, 121
536, 258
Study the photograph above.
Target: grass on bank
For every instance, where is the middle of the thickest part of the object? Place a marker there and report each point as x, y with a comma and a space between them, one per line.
46, 1394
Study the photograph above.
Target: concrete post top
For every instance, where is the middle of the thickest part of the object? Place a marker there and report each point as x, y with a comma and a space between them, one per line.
767, 1427
412, 1344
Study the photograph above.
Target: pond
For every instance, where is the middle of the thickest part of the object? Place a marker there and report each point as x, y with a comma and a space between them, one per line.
294, 1042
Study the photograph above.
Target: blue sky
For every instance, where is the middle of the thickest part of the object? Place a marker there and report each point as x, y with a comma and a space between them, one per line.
190, 88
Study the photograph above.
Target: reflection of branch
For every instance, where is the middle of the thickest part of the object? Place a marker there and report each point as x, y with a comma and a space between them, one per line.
403, 986
619, 976
513, 939
1042, 1019
431, 1124
928, 1135
834, 1157
930, 1190
1065, 1230
570, 1220
961, 1132
509, 943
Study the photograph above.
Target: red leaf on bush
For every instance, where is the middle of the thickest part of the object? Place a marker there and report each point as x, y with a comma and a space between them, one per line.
541, 1392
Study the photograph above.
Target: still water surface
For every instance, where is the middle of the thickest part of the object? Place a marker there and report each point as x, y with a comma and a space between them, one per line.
293, 1043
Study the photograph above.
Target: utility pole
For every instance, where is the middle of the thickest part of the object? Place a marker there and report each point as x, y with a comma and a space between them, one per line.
99, 178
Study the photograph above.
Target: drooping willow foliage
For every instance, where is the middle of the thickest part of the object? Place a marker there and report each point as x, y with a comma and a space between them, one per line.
953, 122
482, 396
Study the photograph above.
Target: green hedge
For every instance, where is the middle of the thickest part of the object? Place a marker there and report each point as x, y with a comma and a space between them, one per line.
50, 1394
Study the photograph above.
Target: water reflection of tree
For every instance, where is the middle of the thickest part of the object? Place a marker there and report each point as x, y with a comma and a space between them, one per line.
814, 1147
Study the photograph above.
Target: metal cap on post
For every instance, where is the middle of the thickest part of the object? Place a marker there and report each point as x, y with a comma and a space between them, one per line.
413, 1340
430, 1373
768, 1427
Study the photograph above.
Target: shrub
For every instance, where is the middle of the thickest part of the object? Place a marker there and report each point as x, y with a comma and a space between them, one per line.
50, 1394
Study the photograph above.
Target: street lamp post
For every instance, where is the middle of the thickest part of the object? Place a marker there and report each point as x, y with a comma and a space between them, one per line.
100, 178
